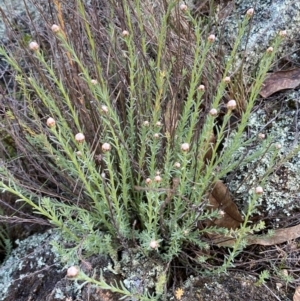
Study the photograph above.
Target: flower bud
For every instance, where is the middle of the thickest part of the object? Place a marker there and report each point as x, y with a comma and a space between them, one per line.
125, 33
55, 28
157, 178
278, 146
259, 190
282, 33
153, 244
185, 147
201, 88
261, 136
177, 164
79, 137
104, 109
158, 123
106, 147
227, 79
94, 82
50, 122
231, 105
148, 181
34, 46
250, 12
72, 272
270, 50
211, 38
183, 7
146, 123
156, 135
213, 112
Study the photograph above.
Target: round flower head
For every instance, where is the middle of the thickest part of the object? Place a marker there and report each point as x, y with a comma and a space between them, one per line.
153, 244
55, 28
183, 7
94, 82
227, 79
146, 123
282, 33
148, 181
50, 122
125, 33
213, 112
104, 109
72, 271
250, 12
106, 147
211, 38
156, 135
259, 190
177, 164
157, 178
261, 136
231, 105
185, 147
79, 137
278, 146
34, 46
158, 123
201, 88
270, 50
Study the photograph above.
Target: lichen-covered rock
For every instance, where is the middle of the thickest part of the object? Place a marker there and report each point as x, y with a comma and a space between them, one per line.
270, 17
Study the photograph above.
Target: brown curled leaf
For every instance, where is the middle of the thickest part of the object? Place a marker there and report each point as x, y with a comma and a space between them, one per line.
280, 80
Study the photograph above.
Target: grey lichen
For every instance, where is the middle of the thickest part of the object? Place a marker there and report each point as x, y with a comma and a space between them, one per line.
282, 188
15, 261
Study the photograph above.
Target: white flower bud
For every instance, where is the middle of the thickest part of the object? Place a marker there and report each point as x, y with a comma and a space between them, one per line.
185, 147
146, 123
94, 82
211, 38
270, 50
259, 190
148, 181
104, 109
158, 123
156, 135
177, 165
201, 88
34, 46
72, 272
106, 147
153, 244
55, 28
213, 112
231, 105
261, 136
250, 12
227, 79
282, 33
183, 7
125, 33
157, 178
278, 146
50, 122
79, 137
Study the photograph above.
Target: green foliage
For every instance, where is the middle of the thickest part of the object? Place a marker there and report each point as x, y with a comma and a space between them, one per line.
135, 98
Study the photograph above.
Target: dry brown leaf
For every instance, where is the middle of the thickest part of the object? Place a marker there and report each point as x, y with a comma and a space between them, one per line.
280, 236
230, 217
280, 80
296, 296
221, 199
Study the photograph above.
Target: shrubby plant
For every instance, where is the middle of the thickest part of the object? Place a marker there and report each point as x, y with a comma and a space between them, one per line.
115, 119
